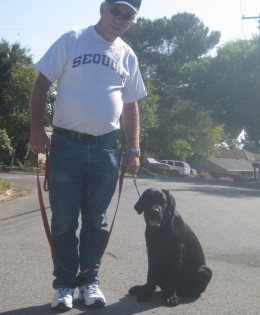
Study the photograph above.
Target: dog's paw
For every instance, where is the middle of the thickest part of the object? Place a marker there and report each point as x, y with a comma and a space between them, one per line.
135, 290
172, 301
144, 292
144, 296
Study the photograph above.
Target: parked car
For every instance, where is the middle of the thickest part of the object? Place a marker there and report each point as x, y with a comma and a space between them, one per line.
158, 167
180, 168
193, 172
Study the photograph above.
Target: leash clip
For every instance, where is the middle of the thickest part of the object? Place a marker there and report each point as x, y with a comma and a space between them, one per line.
135, 183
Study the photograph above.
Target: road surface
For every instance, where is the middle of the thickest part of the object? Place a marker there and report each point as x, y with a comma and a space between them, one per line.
225, 217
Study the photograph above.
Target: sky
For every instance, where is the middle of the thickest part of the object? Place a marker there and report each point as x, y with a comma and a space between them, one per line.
37, 24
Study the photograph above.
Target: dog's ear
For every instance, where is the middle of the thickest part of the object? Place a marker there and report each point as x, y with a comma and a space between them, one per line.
140, 205
171, 203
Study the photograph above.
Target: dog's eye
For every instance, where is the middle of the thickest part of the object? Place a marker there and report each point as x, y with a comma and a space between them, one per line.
163, 202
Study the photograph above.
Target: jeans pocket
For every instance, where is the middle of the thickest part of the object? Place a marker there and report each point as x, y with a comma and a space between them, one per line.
111, 144
59, 141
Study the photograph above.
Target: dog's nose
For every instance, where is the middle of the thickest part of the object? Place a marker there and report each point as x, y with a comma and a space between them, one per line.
156, 208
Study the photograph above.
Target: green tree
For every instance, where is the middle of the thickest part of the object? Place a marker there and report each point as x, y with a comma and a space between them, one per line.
163, 47
229, 85
50, 106
148, 115
17, 76
178, 150
188, 130
5, 146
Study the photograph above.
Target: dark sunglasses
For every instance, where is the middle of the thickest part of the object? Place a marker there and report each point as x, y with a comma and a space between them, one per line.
127, 17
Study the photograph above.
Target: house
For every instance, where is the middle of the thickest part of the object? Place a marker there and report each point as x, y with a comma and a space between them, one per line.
240, 164
226, 167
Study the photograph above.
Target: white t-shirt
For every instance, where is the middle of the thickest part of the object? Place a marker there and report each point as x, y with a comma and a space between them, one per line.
94, 77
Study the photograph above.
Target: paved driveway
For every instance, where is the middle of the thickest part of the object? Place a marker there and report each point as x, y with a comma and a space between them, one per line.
225, 216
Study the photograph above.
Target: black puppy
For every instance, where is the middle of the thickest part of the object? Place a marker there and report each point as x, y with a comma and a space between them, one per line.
176, 261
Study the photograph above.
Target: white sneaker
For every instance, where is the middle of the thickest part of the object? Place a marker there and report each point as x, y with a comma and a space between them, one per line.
92, 295
62, 299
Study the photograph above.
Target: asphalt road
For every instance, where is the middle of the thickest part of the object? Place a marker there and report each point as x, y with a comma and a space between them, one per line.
225, 216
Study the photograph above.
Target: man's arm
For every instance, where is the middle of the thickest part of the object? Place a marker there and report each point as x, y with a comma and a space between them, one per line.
130, 122
39, 141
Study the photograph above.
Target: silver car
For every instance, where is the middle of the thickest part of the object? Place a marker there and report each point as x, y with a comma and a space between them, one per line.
181, 168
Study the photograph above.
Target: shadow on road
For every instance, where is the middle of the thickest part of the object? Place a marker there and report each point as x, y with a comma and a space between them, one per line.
127, 305
224, 191
210, 187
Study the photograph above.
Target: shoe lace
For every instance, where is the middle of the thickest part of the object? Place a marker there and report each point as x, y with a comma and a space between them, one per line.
92, 289
63, 292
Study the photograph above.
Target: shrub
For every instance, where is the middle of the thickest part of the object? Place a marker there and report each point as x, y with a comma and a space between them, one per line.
4, 185
5, 146
205, 175
226, 178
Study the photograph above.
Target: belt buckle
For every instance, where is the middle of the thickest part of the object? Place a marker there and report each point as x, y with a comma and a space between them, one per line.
83, 137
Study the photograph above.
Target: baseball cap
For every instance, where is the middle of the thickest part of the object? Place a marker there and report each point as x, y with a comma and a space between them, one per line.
134, 4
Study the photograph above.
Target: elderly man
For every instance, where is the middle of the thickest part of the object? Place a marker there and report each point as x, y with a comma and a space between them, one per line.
98, 81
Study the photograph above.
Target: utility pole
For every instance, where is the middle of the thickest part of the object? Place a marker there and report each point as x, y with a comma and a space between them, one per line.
253, 17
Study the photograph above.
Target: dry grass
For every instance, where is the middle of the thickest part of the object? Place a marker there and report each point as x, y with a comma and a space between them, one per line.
226, 179
205, 175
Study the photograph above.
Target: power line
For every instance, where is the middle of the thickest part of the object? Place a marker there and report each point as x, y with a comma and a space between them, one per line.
241, 18
253, 17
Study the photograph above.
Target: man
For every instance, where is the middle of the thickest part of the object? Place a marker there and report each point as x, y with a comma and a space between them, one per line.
98, 81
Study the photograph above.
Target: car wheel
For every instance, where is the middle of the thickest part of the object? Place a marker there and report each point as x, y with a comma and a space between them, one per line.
175, 173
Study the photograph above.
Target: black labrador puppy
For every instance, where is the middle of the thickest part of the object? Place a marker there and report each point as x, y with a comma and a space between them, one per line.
176, 262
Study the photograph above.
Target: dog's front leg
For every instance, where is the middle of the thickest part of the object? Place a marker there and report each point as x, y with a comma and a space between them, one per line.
169, 291
144, 292
150, 286
171, 299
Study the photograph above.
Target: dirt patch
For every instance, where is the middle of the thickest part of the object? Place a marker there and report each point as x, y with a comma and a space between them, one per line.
12, 193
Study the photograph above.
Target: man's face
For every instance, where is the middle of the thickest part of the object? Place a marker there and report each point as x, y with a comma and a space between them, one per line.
115, 20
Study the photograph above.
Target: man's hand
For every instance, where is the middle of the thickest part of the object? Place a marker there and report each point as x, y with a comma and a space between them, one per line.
130, 163
39, 142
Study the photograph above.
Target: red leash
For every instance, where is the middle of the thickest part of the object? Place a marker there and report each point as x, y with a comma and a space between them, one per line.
45, 218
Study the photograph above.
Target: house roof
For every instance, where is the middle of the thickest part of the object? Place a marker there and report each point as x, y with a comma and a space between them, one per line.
236, 154
233, 165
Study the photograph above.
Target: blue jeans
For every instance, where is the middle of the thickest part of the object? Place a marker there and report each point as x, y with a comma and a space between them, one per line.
83, 179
